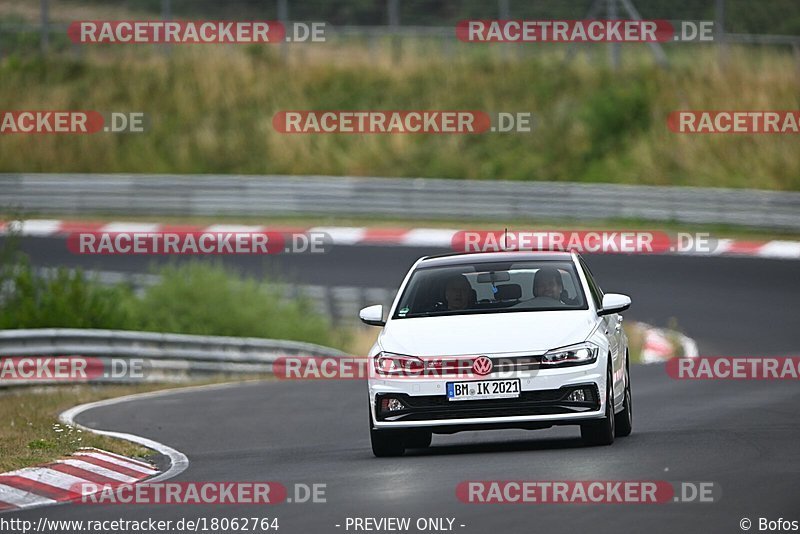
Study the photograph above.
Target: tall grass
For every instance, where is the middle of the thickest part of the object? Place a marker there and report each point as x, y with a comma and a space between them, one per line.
210, 111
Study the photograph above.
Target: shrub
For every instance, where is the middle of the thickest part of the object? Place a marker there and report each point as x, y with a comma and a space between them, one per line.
194, 298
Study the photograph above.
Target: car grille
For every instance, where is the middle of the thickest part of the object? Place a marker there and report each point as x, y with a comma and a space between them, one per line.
518, 363
455, 367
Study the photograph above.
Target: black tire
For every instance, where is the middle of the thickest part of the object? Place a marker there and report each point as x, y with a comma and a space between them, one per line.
418, 439
624, 420
386, 443
602, 432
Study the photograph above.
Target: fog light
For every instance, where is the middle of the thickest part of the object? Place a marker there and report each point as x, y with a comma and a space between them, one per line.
391, 405
577, 396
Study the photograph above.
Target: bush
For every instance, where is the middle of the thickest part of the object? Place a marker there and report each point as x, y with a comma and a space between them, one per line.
66, 300
192, 299
208, 299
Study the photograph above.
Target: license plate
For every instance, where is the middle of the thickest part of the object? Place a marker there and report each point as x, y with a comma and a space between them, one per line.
484, 389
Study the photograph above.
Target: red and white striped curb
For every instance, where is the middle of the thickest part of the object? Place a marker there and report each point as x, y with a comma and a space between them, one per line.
659, 348
355, 236
62, 480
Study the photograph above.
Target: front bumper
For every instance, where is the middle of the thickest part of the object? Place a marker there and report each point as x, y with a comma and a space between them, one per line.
542, 402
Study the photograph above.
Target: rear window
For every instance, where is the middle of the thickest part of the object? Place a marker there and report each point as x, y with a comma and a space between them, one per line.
492, 288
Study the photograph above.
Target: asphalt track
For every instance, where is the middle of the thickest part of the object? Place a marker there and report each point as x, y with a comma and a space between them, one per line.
741, 435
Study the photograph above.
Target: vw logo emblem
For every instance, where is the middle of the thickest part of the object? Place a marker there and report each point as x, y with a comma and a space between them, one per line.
482, 365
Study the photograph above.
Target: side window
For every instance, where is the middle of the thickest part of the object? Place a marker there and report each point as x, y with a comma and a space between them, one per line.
597, 293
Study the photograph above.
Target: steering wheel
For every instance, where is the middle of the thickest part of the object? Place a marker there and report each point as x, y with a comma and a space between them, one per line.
568, 301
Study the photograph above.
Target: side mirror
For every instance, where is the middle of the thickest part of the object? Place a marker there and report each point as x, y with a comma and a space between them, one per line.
372, 315
614, 303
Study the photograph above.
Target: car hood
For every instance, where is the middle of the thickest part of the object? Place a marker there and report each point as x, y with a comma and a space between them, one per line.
487, 333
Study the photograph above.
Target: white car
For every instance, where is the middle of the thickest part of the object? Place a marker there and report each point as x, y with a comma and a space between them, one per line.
498, 340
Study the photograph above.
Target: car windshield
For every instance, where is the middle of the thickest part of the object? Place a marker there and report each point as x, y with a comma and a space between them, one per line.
490, 288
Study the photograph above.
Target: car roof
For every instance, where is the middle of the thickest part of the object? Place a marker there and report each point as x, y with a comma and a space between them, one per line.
462, 258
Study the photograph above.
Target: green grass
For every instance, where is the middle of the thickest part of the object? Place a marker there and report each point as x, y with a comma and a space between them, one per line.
210, 110
31, 434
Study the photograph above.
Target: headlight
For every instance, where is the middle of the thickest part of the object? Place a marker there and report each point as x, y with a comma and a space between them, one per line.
579, 354
387, 363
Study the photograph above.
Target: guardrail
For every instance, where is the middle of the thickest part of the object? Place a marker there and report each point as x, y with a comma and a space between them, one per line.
208, 195
165, 357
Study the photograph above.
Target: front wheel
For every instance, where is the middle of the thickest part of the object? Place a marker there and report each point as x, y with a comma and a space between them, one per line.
418, 439
602, 432
385, 443
624, 419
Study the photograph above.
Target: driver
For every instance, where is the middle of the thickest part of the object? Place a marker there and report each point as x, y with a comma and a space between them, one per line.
547, 283
457, 292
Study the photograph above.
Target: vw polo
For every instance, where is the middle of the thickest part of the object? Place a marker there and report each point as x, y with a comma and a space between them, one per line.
498, 340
